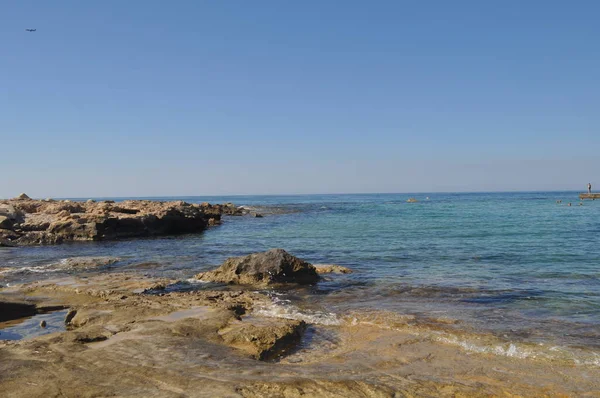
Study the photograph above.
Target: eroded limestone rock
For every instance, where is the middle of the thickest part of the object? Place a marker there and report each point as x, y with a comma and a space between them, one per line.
270, 267
35, 222
263, 338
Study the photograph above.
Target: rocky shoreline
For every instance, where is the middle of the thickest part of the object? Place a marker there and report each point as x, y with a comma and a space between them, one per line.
25, 221
126, 334
98, 330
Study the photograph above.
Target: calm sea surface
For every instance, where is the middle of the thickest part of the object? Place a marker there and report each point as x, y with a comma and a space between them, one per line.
518, 265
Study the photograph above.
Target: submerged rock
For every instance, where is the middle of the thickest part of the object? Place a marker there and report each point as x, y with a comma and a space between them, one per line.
270, 267
87, 262
332, 269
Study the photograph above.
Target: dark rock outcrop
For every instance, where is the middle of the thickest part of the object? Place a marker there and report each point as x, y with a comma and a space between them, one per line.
270, 267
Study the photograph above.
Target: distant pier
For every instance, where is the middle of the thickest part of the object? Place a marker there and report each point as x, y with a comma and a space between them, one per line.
592, 196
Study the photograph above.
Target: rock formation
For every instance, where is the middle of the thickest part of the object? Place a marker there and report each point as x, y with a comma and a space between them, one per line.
263, 338
24, 221
270, 267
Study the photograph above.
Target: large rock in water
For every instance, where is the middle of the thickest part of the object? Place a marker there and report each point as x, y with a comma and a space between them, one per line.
273, 266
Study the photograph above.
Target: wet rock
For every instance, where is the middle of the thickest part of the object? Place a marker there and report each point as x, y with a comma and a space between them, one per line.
264, 338
43, 324
412, 200
70, 315
332, 269
257, 215
15, 310
87, 262
270, 267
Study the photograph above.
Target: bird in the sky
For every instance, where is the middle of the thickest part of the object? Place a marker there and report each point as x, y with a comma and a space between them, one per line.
30, 30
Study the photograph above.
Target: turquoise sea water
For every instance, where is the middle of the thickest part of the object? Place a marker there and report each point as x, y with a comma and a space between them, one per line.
519, 265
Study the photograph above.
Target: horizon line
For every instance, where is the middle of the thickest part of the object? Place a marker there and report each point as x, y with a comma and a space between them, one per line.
306, 194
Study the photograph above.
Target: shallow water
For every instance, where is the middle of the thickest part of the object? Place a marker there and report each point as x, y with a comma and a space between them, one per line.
517, 265
29, 327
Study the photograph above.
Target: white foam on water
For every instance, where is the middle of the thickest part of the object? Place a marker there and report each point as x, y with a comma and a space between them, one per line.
37, 269
279, 308
515, 350
507, 350
193, 281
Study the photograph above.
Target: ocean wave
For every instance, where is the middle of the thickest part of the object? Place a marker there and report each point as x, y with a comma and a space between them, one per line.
575, 356
34, 269
282, 308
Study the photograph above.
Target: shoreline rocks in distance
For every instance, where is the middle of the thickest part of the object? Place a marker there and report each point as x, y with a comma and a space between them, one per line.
271, 267
25, 221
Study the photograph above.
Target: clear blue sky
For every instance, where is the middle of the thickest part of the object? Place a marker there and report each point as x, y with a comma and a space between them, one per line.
135, 98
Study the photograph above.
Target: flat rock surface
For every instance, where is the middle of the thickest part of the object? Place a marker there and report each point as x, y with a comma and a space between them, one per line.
204, 344
271, 267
